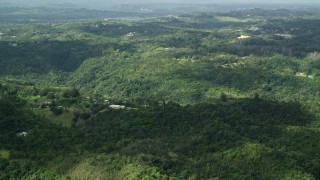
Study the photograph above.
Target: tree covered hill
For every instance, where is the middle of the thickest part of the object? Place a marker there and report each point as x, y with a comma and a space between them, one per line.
247, 138
199, 101
187, 59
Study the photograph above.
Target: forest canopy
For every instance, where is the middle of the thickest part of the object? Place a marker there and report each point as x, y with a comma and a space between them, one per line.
224, 95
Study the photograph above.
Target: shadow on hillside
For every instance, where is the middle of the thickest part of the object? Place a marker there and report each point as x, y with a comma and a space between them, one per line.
167, 137
200, 130
247, 79
178, 138
44, 56
118, 30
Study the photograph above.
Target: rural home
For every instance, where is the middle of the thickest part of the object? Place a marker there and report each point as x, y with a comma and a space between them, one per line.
22, 134
113, 106
301, 74
243, 37
286, 36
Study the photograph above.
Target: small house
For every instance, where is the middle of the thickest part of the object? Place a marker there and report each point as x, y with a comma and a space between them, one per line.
243, 37
301, 74
113, 106
286, 36
22, 134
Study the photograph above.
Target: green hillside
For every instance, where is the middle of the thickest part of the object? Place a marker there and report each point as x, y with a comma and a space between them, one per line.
248, 138
188, 59
231, 95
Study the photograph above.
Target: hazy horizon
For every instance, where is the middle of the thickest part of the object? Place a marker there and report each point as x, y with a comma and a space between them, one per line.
111, 4
97, 3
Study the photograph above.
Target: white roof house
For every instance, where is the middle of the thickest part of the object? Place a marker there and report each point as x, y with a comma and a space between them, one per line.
301, 74
286, 36
113, 106
22, 134
243, 37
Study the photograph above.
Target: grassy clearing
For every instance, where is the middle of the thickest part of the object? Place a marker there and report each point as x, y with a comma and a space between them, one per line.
65, 119
4, 154
42, 112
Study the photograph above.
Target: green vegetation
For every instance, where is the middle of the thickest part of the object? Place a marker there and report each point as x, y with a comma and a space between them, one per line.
4, 154
189, 59
229, 139
162, 98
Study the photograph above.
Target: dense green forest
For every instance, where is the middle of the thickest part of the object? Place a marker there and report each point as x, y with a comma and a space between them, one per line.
229, 95
228, 139
187, 59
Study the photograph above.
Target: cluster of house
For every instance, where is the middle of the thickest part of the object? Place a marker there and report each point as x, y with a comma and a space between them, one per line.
13, 44
44, 103
301, 74
131, 34
146, 10
232, 65
286, 36
254, 28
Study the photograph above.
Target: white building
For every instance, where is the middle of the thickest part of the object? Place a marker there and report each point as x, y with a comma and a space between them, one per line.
286, 36
22, 134
113, 106
243, 37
